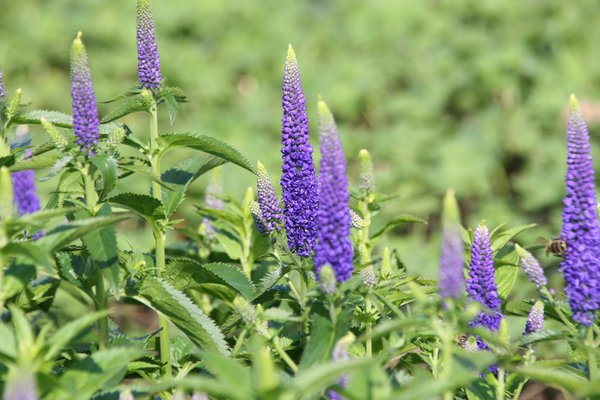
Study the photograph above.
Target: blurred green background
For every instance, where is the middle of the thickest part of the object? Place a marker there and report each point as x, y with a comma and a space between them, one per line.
463, 93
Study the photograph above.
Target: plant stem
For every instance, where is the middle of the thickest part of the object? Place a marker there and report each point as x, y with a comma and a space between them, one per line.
101, 305
165, 353
369, 344
500, 386
91, 199
154, 154
591, 353
561, 315
284, 356
159, 237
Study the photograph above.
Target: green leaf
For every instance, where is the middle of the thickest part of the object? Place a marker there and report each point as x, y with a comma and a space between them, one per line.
564, 378
59, 166
313, 380
102, 246
103, 369
34, 163
228, 371
62, 235
16, 277
506, 277
129, 106
543, 336
206, 144
184, 314
31, 252
180, 176
399, 220
8, 344
501, 239
34, 116
320, 343
185, 273
63, 336
109, 172
146, 206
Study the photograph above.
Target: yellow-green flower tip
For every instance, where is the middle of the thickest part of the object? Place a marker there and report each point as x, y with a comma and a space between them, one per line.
260, 168
291, 55
325, 115
450, 209
573, 103
78, 49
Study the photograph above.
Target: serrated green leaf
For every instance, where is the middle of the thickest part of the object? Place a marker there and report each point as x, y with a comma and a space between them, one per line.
129, 106
320, 343
506, 277
186, 273
60, 236
31, 252
267, 282
63, 336
229, 372
543, 336
398, 220
184, 314
102, 246
16, 277
34, 116
208, 145
58, 167
109, 172
501, 239
142, 204
313, 380
34, 163
179, 177
103, 369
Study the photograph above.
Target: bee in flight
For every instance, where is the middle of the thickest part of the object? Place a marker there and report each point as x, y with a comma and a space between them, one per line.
557, 247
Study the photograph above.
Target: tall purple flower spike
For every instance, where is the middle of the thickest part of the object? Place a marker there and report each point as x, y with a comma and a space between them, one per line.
535, 319
298, 181
2, 92
86, 122
452, 277
25, 194
532, 267
26, 198
481, 284
580, 229
148, 58
334, 246
270, 210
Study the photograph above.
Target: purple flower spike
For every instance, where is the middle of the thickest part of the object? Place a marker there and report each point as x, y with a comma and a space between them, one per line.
85, 109
148, 58
452, 277
532, 267
2, 92
298, 181
26, 198
535, 320
334, 246
481, 285
340, 353
580, 229
270, 209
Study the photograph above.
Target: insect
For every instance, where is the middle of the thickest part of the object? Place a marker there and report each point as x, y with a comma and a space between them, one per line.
556, 246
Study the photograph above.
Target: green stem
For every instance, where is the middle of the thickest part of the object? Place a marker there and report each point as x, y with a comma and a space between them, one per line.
284, 356
500, 386
591, 353
101, 304
154, 153
165, 353
159, 237
369, 344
